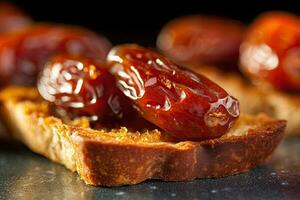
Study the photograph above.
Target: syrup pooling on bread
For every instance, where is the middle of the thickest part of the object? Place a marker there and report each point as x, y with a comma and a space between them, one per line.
270, 52
79, 87
184, 104
23, 54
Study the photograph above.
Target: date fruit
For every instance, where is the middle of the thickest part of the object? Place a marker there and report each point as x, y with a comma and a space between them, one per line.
186, 105
199, 40
270, 53
12, 18
80, 87
24, 53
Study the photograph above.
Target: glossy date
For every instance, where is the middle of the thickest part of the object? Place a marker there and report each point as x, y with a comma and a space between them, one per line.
78, 86
184, 104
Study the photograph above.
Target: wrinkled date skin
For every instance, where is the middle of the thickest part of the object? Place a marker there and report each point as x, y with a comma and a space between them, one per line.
23, 54
270, 53
199, 40
186, 105
12, 18
81, 87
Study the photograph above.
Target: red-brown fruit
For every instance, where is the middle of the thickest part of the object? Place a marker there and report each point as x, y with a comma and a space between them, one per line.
23, 54
186, 105
197, 40
12, 18
270, 52
82, 87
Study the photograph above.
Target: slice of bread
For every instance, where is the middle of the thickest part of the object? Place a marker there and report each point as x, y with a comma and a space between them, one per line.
254, 100
122, 156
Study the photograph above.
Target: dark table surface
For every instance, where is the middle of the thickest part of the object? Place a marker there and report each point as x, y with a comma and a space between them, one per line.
25, 175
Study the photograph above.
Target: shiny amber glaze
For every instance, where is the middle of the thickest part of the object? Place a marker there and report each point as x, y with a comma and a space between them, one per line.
24, 53
270, 52
184, 104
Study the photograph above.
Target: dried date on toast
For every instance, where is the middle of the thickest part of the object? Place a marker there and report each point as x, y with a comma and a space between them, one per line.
114, 157
78, 86
186, 105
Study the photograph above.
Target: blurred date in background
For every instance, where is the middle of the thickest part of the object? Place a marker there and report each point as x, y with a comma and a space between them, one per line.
140, 21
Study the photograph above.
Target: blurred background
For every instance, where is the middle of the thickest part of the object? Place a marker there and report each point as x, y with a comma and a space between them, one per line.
140, 21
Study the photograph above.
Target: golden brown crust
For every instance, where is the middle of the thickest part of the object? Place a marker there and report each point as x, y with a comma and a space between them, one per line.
130, 164
121, 157
254, 100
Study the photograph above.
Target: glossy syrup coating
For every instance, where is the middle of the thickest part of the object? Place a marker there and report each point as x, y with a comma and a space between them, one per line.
198, 39
12, 18
77, 86
24, 53
270, 53
186, 105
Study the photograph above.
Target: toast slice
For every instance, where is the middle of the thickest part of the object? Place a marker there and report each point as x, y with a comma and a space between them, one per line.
123, 157
254, 100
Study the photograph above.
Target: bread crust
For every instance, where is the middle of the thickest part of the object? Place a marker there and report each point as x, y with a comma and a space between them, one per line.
103, 158
254, 100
